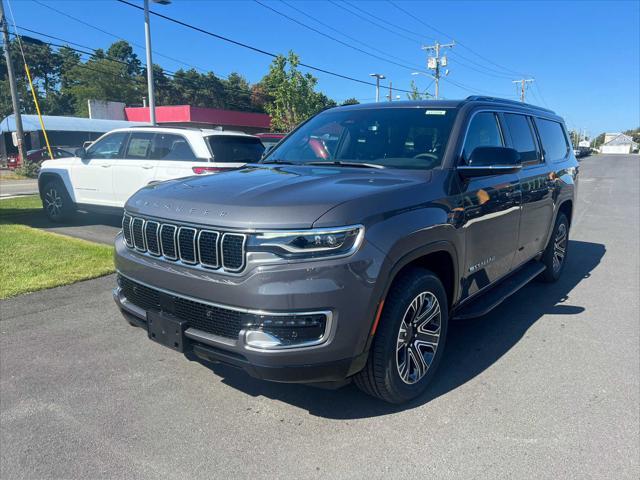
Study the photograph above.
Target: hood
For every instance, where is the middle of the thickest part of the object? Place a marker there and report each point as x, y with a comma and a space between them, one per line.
265, 197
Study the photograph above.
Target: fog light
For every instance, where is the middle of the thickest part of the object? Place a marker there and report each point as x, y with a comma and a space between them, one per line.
269, 331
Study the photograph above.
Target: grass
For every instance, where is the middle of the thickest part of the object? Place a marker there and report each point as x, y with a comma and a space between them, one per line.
33, 259
24, 205
12, 176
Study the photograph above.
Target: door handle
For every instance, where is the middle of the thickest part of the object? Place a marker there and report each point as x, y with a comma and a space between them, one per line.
147, 166
105, 165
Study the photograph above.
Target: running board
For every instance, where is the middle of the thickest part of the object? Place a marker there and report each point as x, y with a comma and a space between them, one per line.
497, 294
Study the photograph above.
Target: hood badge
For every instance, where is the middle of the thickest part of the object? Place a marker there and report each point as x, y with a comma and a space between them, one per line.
169, 207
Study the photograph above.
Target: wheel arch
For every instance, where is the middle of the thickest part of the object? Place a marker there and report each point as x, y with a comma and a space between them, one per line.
439, 257
47, 176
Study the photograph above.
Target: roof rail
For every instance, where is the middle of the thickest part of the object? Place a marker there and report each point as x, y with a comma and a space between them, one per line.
181, 127
484, 98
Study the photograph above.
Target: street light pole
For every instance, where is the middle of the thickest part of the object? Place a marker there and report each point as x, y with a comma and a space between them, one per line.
377, 76
147, 38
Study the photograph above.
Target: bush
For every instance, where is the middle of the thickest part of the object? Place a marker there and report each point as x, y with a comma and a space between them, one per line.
28, 169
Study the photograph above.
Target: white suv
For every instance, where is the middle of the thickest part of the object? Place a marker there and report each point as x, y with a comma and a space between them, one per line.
115, 166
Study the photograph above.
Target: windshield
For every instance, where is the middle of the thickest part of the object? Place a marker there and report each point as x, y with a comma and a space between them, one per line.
235, 148
403, 137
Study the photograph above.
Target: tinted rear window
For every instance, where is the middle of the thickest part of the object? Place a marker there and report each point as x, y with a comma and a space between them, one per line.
553, 139
521, 137
235, 149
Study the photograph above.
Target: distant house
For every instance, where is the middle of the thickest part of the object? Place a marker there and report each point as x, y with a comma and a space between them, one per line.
618, 143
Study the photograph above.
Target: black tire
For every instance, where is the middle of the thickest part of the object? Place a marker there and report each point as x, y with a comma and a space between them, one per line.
381, 376
555, 255
56, 202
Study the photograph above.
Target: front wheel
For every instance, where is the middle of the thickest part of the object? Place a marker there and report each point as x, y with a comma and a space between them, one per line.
56, 202
409, 343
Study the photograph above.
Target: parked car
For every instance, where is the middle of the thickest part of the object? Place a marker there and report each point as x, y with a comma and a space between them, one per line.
120, 162
338, 260
270, 140
39, 155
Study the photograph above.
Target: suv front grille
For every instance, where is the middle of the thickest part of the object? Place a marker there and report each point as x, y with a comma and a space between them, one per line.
208, 318
206, 248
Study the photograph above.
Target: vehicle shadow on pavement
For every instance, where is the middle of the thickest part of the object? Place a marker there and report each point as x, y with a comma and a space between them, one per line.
472, 346
37, 219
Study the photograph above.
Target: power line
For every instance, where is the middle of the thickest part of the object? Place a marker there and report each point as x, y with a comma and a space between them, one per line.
332, 37
485, 70
113, 35
489, 71
93, 54
419, 20
382, 26
249, 47
353, 39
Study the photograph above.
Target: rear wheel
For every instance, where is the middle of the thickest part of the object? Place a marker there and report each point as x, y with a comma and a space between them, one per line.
555, 255
56, 201
410, 339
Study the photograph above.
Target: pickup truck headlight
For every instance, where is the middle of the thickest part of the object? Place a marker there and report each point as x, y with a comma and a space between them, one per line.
312, 243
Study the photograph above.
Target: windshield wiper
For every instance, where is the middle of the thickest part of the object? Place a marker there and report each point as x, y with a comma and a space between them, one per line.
340, 163
278, 162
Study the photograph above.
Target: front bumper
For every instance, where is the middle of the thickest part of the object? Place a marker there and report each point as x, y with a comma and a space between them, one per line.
342, 287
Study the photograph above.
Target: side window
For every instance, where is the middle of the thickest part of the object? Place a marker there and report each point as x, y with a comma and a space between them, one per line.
139, 146
107, 147
554, 141
522, 138
483, 131
167, 146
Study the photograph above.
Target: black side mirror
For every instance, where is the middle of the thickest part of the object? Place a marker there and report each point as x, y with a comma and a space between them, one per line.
491, 161
80, 152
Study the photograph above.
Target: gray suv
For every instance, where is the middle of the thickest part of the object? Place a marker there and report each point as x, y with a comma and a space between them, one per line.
345, 253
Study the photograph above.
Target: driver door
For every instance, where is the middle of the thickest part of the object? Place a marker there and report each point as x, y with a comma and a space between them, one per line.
92, 176
491, 207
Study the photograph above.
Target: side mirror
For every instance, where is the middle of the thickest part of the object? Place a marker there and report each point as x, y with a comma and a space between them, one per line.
491, 161
80, 152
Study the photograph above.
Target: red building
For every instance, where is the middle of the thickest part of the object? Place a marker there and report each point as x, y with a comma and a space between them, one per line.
186, 115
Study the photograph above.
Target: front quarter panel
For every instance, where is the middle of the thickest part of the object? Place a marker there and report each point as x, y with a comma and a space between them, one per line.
61, 168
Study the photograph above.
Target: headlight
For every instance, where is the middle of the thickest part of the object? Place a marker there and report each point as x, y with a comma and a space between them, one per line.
319, 242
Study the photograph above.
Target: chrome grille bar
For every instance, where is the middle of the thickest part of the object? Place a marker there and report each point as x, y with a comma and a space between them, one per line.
210, 249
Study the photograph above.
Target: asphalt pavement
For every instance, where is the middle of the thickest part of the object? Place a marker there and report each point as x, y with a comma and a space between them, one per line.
545, 386
13, 188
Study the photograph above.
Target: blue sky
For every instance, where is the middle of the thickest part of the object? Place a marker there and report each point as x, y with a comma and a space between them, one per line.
584, 56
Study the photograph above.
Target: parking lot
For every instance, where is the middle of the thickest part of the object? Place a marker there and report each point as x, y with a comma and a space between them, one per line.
545, 386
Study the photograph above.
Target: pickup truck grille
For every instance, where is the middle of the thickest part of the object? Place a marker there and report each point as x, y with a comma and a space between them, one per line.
206, 248
208, 318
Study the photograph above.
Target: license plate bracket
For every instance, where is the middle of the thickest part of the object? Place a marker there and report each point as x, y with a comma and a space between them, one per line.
167, 330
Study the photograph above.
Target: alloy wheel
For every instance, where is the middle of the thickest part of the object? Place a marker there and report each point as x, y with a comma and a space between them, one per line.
418, 337
559, 247
53, 203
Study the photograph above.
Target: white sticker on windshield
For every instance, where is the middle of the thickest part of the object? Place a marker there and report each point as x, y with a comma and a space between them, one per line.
435, 112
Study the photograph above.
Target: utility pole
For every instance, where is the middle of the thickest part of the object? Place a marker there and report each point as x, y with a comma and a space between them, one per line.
523, 86
12, 86
378, 77
434, 63
390, 91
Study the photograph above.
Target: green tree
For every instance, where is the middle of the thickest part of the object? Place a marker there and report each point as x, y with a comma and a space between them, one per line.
350, 101
103, 79
292, 95
415, 92
237, 92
